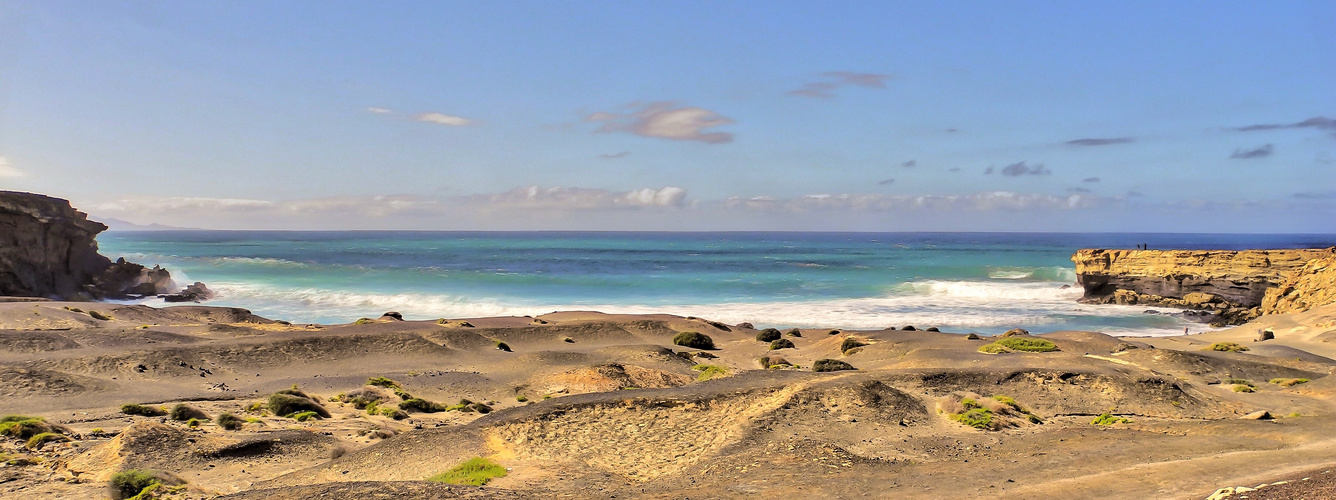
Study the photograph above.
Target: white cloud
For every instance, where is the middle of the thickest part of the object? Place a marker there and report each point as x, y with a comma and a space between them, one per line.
7, 170
994, 200
379, 111
444, 119
666, 121
563, 198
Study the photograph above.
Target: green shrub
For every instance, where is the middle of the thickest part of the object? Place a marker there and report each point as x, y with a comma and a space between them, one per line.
364, 321
37, 441
1107, 418
1027, 344
1228, 347
794, 332
99, 316
295, 391
993, 348
694, 340
393, 413
850, 343
304, 416
976, 417
1289, 382
21, 427
194, 422
830, 365
383, 382
142, 410
482, 408
132, 483
476, 471
229, 421
781, 344
521, 398
281, 403
422, 405
1244, 388
183, 412
708, 372
767, 335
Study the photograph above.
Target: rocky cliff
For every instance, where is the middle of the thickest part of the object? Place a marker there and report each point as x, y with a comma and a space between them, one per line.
1229, 285
48, 249
1310, 286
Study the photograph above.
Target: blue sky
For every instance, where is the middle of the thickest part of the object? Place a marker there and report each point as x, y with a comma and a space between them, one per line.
1118, 116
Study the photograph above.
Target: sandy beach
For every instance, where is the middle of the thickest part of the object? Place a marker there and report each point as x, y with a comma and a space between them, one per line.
591, 405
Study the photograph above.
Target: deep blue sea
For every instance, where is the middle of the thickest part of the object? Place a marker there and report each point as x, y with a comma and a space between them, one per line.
964, 282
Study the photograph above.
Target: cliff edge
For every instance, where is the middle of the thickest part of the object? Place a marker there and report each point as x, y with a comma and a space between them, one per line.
49, 249
1229, 286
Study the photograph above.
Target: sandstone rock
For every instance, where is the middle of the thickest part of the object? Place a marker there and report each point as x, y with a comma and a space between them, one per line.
1310, 286
1257, 415
1200, 298
1237, 277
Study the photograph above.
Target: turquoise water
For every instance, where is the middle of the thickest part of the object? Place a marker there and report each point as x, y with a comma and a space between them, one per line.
980, 282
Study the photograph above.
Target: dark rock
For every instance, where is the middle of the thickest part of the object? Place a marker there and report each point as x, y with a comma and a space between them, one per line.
193, 293
1265, 335
1016, 331
909, 328
747, 326
392, 316
932, 329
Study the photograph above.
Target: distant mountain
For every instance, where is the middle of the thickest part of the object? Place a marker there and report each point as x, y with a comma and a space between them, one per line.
120, 225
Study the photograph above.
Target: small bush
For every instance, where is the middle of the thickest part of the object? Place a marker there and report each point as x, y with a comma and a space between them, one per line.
131, 483
1289, 382
482, 408
304, 416
708, 372
295, 391
476, 471
1107, 418
830, 365
422, 405
21, 427
287, 404
909, 328
794, 332
694, 340
1243, 381
382, 382
781, 344
229, 422
1244, 388
37, 441
99, 316
767, 335
183, 412
502, 346
521, 398
978, 418
993, 348
393, 413
1228, 347
1028, 345
256, 407
142, 410
194, 422
850, 343
973, 336
364, 321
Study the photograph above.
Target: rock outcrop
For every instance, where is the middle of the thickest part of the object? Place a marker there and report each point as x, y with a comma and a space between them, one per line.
1310, 286
48, 249
1230, 285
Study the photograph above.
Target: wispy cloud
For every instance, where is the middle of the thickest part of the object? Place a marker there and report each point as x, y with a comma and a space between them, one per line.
1248, 154
835, 79
444, 119
665, 120
1090, 179
1100, 142
1078, 190
993, 200
564, 198
7, 170
953, 169
1317, 122
1316, 195
614, 156
910, 164
1020, 169
379, 111
886, 182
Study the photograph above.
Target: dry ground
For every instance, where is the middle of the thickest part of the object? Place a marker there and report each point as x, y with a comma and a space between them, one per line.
592, 405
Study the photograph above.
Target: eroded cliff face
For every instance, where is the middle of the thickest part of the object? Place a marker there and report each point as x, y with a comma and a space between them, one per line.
1229, 286
1310, 286
48, 249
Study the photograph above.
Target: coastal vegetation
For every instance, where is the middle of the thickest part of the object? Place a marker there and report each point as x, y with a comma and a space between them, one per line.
1107, 418
476, 471
694, 340
767, 335
781, 344
831, 365
1014, 344
708, 372
229, 421
182, 412
142, 410
1228, 347
1289, 382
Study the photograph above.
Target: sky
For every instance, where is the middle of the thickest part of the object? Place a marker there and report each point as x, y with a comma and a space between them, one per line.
719, 115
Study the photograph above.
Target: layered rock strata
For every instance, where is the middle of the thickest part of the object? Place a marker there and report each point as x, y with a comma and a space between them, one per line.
49, 249
1228, 285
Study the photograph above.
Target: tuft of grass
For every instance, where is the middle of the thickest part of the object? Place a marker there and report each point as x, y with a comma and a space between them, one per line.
782, 344
193, 423
476, 471
831, 365
99, 316
229, 421
1027, 344
382, 382
364, 321
1107, 418
767, 335
708, 372
134, 484
183, 412
141, 410
256, 408
976, 417
521, 398
38, 440
850, 343
694, 340
304, 416
422, 405
1228, 347
993, 348
23, 427
1244, 388
284, 403
1289, 382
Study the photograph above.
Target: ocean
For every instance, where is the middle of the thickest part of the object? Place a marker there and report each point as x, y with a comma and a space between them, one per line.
959, 282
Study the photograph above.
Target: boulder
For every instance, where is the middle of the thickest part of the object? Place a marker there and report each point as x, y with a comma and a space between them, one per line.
1258, 415
393, 316
193, 293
